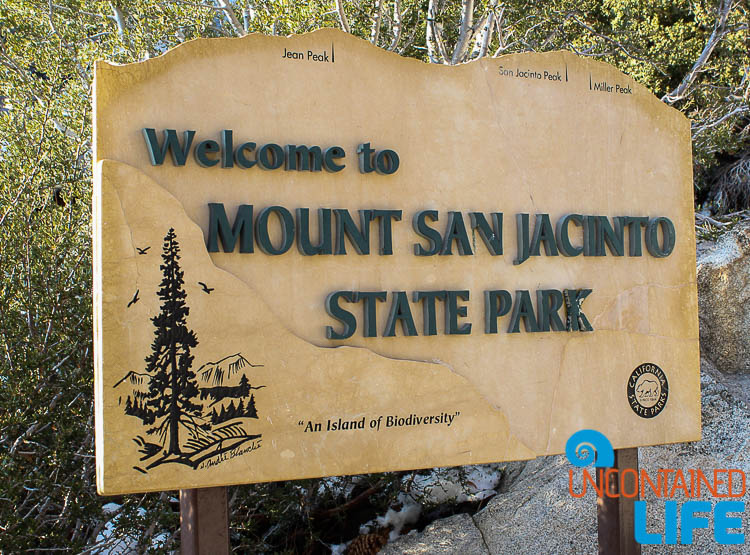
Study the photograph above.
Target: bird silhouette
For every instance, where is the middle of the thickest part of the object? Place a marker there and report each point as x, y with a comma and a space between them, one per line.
206, 288
142, 251
135, 298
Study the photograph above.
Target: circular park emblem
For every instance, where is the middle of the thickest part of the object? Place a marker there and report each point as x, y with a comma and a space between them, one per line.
648, 390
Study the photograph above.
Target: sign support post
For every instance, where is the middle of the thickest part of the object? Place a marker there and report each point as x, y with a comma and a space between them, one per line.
204, 521
615, 515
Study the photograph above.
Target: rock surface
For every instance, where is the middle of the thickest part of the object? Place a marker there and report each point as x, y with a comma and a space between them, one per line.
535, 513
538, 515
455, 534
724, 300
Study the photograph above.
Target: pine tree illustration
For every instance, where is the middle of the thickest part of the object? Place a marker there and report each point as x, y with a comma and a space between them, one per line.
173, 383
231, 410
244, 386
251, 411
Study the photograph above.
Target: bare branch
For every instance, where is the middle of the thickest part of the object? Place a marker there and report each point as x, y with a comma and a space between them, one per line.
616, 44
720, 30
228, 10
248, 14
81, 74
704, 218
435, 47
342, 16
502, 37
703, 127
482, 41
410, 41
376, 22
397, 18
119, 18
465, 30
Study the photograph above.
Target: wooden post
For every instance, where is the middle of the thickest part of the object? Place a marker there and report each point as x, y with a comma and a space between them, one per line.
616, 515
204, 521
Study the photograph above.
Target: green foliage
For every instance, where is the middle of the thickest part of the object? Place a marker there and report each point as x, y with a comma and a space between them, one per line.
47, 54
671, 36
46, 373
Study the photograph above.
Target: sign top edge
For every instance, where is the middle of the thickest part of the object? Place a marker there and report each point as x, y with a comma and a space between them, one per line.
206, 46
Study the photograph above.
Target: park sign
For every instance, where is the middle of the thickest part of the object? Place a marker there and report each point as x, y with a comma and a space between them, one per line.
313, 257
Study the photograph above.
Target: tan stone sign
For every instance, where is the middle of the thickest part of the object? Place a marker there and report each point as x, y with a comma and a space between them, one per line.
314, 257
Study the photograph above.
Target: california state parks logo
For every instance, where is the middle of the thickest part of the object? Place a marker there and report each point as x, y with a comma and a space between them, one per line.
648, 390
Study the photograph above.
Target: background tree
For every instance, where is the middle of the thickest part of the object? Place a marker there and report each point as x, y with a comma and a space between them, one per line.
173, 384
692, 54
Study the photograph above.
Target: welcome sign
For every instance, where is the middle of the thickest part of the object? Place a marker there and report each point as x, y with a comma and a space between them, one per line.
313, 257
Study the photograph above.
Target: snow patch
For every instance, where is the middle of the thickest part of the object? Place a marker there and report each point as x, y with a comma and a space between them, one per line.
107, 538
408, 514
110, 508
437, 486
108, 542
339, 486
460, 485
724, 252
